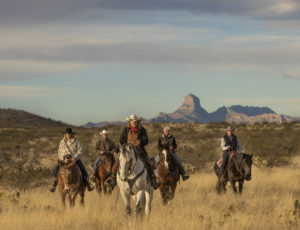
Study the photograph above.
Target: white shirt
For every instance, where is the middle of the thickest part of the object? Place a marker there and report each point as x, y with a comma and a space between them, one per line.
70, 147
224, 147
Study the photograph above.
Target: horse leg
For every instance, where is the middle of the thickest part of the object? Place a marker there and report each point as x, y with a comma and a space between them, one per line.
63, 199
173, 188
232, 182
241, 183
164, 194
126, 198
70, 198
98, 185
149, 198
140, 197
104, 186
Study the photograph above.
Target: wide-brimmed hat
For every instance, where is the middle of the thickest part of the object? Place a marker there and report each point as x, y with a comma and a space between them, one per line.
229, 129
133, 117
104, 132
69, 131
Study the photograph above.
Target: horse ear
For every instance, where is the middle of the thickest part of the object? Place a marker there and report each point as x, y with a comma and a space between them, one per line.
251, 155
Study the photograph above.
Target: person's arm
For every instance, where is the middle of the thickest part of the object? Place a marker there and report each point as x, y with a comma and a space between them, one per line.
174, 144
239, 146
79, 151
223, 145
159, 147
123, 136
144, 138
61, 151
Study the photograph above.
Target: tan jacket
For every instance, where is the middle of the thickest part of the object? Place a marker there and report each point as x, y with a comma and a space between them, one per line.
71, 147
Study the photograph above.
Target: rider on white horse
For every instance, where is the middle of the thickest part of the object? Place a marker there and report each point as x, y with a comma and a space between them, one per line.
134, 133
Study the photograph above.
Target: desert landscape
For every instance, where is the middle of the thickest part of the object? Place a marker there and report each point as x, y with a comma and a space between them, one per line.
28, 156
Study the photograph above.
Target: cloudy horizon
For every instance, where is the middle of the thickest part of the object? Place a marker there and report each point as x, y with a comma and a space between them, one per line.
80, 61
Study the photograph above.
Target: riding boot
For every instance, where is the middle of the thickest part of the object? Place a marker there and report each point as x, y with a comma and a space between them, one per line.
181, 168
89, 186
53, 188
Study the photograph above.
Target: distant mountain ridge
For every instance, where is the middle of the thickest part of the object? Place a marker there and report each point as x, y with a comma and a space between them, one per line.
191, 111
12, 118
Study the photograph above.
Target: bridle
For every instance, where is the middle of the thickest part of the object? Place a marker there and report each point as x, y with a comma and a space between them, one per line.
130, 169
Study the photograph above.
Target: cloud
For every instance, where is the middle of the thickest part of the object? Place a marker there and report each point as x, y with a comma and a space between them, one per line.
148, 44
13, 91
37, 11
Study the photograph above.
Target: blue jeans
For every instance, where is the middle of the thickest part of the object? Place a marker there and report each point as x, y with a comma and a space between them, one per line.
80, 165
224, 163
182, 171
97, 163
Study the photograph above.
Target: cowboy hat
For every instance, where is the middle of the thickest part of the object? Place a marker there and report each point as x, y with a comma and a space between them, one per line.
229, 129
69, 131
104, 132
133, 117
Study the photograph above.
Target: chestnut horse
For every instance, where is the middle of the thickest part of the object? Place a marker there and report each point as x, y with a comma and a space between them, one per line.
168, 175
70, 182
104, 172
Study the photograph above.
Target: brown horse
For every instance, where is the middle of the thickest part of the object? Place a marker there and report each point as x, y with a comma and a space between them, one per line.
70, 182
104, 171
238, 170
168, 175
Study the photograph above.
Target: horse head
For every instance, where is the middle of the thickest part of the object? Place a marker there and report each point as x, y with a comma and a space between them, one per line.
66, 172
165, 157
247, 166
127, 160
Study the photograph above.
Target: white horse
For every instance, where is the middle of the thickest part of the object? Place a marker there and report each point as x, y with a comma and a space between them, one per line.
133, 181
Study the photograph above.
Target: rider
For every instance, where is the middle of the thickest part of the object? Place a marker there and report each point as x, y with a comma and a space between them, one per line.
103, 146
229, 143
136, 134
70, 145
168, 142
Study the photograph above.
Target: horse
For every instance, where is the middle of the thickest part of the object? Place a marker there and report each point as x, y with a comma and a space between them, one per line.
238, 170
70, 181
133, 180
168, 175
103, 173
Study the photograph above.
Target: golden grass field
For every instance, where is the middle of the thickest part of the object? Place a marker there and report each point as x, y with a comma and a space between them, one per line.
267, 203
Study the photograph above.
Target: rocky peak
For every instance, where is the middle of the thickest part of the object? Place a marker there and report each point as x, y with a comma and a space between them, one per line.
191, 104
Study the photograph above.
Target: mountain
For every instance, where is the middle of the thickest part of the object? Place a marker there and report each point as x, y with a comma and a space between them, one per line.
11, 118
191, 111
102, 124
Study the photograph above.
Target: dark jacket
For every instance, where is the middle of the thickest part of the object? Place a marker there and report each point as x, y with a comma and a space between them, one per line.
231, 142
165, 142
142, 137
108, 146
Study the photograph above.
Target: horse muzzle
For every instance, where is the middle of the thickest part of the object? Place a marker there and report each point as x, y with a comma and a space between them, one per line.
248, 177
67, 188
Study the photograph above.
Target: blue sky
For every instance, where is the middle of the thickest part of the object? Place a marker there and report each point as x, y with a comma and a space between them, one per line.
80, 61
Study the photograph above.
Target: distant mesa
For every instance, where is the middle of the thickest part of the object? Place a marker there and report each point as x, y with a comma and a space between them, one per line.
191, 111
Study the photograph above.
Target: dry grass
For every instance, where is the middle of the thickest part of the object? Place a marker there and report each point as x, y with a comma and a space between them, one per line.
265, 204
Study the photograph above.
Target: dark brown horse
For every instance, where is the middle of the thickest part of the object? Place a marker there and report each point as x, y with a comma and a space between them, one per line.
238, 170
70, 182
168, 175
104, 172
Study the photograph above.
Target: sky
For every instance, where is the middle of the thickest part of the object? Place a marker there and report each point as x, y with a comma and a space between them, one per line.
101, 60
